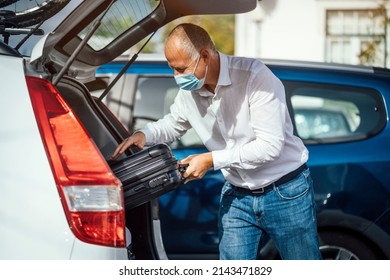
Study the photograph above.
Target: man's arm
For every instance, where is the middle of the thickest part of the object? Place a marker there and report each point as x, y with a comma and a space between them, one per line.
167, 129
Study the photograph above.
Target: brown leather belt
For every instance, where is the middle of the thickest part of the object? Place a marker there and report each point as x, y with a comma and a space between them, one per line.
286, 178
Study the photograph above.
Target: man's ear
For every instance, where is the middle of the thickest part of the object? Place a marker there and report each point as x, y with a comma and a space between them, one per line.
205, 54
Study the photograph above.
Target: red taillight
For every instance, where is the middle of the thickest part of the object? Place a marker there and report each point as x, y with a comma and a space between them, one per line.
91, 195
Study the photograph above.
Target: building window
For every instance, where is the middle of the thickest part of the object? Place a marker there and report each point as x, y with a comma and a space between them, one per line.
356, 36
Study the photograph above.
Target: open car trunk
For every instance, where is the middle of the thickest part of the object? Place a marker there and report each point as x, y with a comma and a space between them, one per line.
107, 132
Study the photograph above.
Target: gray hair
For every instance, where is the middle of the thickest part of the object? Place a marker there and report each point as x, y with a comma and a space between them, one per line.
193, 38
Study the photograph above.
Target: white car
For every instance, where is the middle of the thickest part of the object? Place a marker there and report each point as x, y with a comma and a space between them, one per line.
58, 197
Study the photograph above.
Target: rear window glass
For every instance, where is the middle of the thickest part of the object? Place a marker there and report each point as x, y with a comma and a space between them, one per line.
121, 16
154, 96
327, 113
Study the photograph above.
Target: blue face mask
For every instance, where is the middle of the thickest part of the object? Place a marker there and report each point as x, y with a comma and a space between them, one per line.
190, 81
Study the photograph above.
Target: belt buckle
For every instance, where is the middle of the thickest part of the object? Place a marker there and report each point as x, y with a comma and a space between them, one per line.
259, 191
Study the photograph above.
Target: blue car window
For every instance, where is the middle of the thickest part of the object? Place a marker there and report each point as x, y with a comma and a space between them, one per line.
317, 117
329, 114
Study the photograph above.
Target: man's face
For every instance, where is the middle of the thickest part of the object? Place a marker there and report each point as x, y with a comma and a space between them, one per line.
180, 61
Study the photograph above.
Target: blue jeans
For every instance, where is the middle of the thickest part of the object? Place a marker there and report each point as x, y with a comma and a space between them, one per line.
286, 214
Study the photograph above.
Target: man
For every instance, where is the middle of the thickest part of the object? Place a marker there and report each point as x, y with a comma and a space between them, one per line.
238, 108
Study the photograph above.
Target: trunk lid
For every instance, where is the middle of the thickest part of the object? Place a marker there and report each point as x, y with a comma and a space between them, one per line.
122, 24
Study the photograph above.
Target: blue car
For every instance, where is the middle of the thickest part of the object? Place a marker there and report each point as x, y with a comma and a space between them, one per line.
340, 112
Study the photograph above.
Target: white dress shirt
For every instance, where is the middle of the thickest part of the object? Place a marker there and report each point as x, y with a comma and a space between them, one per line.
245, 124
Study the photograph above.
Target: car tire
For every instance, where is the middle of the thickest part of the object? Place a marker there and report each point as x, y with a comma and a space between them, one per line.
344, 246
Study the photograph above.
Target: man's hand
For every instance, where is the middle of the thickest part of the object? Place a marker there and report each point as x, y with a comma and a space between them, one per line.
137, 139
198, 166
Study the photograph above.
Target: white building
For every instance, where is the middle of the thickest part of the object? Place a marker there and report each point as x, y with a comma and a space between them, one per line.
315, 30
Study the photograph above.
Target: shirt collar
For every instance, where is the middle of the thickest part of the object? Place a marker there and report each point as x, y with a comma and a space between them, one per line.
223, 78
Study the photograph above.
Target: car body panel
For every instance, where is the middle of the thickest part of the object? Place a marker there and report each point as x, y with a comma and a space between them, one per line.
33, 223
27, 180
83, 251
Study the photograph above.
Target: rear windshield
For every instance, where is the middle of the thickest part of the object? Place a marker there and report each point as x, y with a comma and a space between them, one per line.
121, 16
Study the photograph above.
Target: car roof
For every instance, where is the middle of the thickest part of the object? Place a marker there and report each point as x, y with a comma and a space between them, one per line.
286, 70
159, 58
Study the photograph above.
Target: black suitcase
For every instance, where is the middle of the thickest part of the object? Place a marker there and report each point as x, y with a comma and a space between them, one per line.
147, 174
